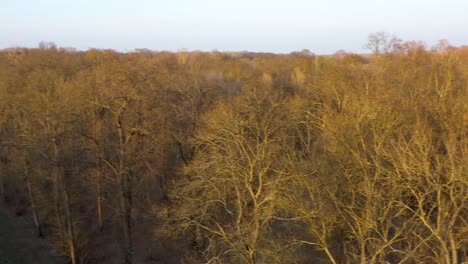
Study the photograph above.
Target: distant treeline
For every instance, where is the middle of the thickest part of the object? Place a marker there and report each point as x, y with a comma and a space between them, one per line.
211, 157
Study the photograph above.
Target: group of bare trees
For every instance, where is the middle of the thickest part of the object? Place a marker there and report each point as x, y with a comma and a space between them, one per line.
240, 157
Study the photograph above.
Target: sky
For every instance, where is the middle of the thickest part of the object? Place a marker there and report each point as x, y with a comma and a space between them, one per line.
323, 27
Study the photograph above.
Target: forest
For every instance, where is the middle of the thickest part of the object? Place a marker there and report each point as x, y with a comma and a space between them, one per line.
239, 157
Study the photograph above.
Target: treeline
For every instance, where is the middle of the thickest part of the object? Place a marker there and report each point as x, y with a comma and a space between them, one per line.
195, 157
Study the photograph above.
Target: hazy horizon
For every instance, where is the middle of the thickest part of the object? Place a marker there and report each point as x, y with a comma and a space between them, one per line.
206, 25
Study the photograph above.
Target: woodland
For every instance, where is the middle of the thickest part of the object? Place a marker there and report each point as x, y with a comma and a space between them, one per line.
239, 157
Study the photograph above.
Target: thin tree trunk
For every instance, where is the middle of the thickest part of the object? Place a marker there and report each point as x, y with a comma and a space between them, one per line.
97, 137
330, 256
126, 218
325, 244
57, 202
37, 222
2, 186
57, 181
99, 205
453, 248
363, 253
181, 153
125, 189
99, 195
341, 247
70, 229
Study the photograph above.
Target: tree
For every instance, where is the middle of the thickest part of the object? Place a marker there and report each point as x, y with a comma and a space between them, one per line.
236, 189
382, 42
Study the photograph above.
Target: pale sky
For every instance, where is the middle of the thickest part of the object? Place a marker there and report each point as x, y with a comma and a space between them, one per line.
323, 26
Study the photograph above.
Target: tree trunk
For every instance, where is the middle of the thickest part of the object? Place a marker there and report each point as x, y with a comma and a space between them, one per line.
126, 218
340, 249
99, 198
70, 229
2, 183
37, 222
363, 253
97, 138
453, 248
58, 182
57, 203
99, 206
125, 189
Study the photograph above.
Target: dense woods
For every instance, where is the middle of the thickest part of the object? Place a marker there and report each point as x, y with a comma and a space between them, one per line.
211, 157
